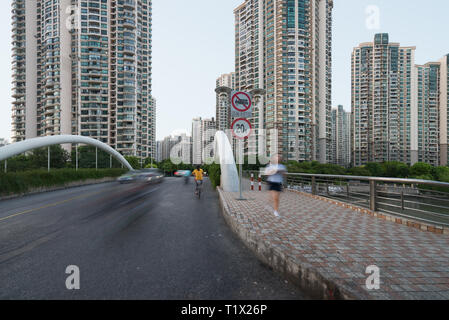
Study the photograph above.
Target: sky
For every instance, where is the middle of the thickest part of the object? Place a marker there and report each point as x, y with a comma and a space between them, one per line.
193, 43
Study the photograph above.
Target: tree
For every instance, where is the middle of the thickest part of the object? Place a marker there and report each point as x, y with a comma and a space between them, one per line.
442, 174
58, 158
421, 169
395, 169
86, 158
375, 169
134, 162
167, 166
359, 171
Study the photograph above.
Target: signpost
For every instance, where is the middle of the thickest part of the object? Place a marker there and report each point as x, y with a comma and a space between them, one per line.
241, 109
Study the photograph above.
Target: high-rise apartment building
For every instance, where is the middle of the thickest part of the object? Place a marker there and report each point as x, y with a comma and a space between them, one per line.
223, 118
383, 76
284, 47
209, 128
159, 157
425, 114
444, 110
83, 67
197, 134
203, 133
341, 137
3, 142
431, 108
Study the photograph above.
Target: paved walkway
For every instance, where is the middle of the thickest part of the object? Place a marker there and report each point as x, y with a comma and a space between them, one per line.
329, 247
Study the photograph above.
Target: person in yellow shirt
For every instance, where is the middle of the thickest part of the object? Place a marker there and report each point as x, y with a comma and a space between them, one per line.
198, 173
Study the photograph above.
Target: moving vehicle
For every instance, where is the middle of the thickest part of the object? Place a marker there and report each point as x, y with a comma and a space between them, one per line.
182, 173
144, 175
150, 176
128, 177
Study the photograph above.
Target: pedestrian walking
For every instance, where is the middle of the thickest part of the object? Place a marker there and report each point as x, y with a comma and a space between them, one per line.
275, 172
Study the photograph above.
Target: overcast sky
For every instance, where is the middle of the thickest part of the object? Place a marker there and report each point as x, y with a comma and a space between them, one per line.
193, 43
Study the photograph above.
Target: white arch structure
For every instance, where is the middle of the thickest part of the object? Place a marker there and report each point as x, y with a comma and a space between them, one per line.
225, 157
35, 143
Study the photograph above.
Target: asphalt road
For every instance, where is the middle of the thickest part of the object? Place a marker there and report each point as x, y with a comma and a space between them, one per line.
129, 242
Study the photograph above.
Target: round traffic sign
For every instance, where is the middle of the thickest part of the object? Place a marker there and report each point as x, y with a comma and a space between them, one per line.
241, 101
241, 128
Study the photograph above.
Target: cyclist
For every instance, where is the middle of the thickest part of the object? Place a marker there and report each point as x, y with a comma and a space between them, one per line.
198, 173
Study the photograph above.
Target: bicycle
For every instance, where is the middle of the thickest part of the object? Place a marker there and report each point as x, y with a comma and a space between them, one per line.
198, 188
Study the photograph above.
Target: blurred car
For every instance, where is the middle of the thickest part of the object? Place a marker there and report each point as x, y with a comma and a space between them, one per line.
150, 175
127, 177
183, 173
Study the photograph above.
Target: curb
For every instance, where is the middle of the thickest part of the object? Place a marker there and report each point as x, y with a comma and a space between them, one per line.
64, 187
307, 278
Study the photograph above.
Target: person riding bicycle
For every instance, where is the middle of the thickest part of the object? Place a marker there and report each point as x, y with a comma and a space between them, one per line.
198, 173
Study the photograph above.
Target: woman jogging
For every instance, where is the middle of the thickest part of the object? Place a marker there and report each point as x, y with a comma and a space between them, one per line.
275, 172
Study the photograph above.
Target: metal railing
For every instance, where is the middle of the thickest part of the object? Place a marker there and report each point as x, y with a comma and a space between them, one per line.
422, 200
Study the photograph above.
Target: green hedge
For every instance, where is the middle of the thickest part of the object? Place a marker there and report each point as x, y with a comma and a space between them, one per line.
22, 182
214, 172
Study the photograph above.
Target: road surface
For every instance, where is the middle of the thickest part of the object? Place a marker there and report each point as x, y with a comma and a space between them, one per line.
129, 242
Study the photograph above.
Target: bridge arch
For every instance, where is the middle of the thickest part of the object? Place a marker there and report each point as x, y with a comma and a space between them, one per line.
41, 142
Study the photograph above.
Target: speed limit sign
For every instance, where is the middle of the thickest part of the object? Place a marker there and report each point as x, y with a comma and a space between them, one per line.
241, 128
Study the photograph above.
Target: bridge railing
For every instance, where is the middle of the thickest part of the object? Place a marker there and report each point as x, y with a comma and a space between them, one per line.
422, 200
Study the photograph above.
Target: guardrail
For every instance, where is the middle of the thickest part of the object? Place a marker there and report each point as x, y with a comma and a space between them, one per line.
422, 200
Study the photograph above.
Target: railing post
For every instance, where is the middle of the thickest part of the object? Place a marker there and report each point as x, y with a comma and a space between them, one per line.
6, 166
347, 190
48, 158
314, 186
96, 158
76, 156
402, 200
372, 195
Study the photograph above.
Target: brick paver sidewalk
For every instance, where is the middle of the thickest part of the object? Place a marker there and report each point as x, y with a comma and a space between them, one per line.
339, 244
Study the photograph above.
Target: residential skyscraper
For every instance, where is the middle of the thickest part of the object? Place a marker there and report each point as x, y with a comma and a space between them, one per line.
3, 142
223, 104
203, 133
382, 76
284, 47
159, 157
83, 67
341, 137
444, 110
431, 108
425, 114
197, 143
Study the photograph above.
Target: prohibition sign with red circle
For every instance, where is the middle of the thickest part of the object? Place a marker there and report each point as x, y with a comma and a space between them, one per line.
247, 107
233, 129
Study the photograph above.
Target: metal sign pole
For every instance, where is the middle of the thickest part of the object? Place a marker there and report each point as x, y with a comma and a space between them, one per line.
241, 159
240, 174
241, 109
